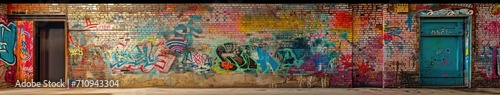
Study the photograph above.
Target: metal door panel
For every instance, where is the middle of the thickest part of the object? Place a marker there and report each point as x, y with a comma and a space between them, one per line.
441, 52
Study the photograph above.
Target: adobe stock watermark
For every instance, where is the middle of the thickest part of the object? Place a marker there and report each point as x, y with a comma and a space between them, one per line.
44, 83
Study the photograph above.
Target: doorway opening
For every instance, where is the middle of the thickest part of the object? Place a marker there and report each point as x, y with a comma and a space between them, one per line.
48, 40
50, 50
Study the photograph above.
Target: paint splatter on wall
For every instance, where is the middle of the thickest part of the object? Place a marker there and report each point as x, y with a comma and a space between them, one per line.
7, 56
217, 45
24, 50
486, 47
279, 39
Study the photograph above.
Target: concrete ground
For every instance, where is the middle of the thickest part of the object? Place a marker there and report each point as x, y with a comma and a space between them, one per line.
247, 91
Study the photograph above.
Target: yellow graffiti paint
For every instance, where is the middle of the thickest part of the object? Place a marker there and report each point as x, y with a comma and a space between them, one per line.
284, 22
219, 70
466, 52
495, 10
76, 52
148, 39
401, 8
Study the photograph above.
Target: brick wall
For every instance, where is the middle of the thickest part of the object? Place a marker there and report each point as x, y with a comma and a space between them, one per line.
253, 45
3, 8
485, 46
401, 44
293, 39
36, 8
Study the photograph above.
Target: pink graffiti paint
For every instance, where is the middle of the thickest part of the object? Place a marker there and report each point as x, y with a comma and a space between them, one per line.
3, 19
199, 58
10, 74
445, 60
493, 28
291, 70
163, 65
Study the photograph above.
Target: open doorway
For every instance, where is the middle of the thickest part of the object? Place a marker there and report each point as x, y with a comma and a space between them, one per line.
50, 50
43, 38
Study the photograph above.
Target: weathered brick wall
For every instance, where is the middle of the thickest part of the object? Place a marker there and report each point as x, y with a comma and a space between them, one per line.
401, 44
191, 45
253, 45
3, 83
369, 47
3, 8
487, 39
36, 8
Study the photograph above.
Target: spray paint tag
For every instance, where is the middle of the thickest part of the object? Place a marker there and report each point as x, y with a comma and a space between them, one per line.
498, 65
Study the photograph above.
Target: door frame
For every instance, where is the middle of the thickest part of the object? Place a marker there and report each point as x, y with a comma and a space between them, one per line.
47, 18
467, 46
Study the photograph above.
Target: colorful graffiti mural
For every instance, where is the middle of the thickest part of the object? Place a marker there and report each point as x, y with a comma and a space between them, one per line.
24, 50
342, 43
441, 10
16, 50
7, 55
489, 57
300, 45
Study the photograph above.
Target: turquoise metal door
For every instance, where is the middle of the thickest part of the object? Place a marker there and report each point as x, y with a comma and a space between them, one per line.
441, 52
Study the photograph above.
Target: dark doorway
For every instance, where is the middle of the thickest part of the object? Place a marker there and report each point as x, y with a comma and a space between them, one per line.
50, 50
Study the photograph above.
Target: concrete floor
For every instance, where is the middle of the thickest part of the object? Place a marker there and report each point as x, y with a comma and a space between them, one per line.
247, 91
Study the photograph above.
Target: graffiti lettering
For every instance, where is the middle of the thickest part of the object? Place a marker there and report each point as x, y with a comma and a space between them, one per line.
104, 27
200, 58
27, 72
267, 63
7, 43
440, 32
76, 52
294, 44
24, 49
